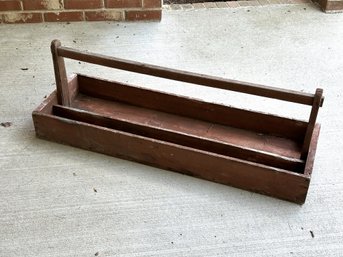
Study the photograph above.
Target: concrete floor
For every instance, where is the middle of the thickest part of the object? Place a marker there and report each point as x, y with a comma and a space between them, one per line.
48, 203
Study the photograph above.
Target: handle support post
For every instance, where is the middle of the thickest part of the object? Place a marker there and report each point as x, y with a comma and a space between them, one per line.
63, 96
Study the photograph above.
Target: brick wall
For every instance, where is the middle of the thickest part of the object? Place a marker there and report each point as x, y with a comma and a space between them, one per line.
32, 11
330, 6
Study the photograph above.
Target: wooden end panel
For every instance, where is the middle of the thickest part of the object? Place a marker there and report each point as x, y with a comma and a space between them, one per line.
46, 106
229, 116
225, 170
52, 99
312, 151
73, 86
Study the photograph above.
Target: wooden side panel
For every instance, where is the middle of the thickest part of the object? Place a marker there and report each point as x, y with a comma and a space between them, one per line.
185, 139
249, 120
225, 170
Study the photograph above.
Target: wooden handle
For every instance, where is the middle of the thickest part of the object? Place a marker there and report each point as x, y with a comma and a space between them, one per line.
63, 97
317, 102
190, 77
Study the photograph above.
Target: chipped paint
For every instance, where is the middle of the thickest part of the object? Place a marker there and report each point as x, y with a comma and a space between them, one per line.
15, 17
52, 4
112, 15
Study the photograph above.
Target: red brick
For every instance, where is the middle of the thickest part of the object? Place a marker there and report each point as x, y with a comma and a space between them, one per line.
83, 4
123, 3
22, 18
143, 15
42, 4
152, 3
106, 15
334, 6
63, 16
10, 5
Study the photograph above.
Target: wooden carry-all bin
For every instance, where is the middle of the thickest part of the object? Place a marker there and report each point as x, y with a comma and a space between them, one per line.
168, 131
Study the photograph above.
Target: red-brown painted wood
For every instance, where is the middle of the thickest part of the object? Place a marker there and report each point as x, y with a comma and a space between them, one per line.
190, 77
176, 136
318, 100
60, 75
255, 151
243, 174
185, 106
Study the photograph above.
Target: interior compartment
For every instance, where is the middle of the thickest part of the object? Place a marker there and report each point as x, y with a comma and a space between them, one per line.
246, 135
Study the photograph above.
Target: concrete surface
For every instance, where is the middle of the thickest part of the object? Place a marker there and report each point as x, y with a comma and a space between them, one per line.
56, 200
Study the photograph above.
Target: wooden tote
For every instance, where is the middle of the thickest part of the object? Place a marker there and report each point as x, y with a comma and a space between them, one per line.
250, 150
